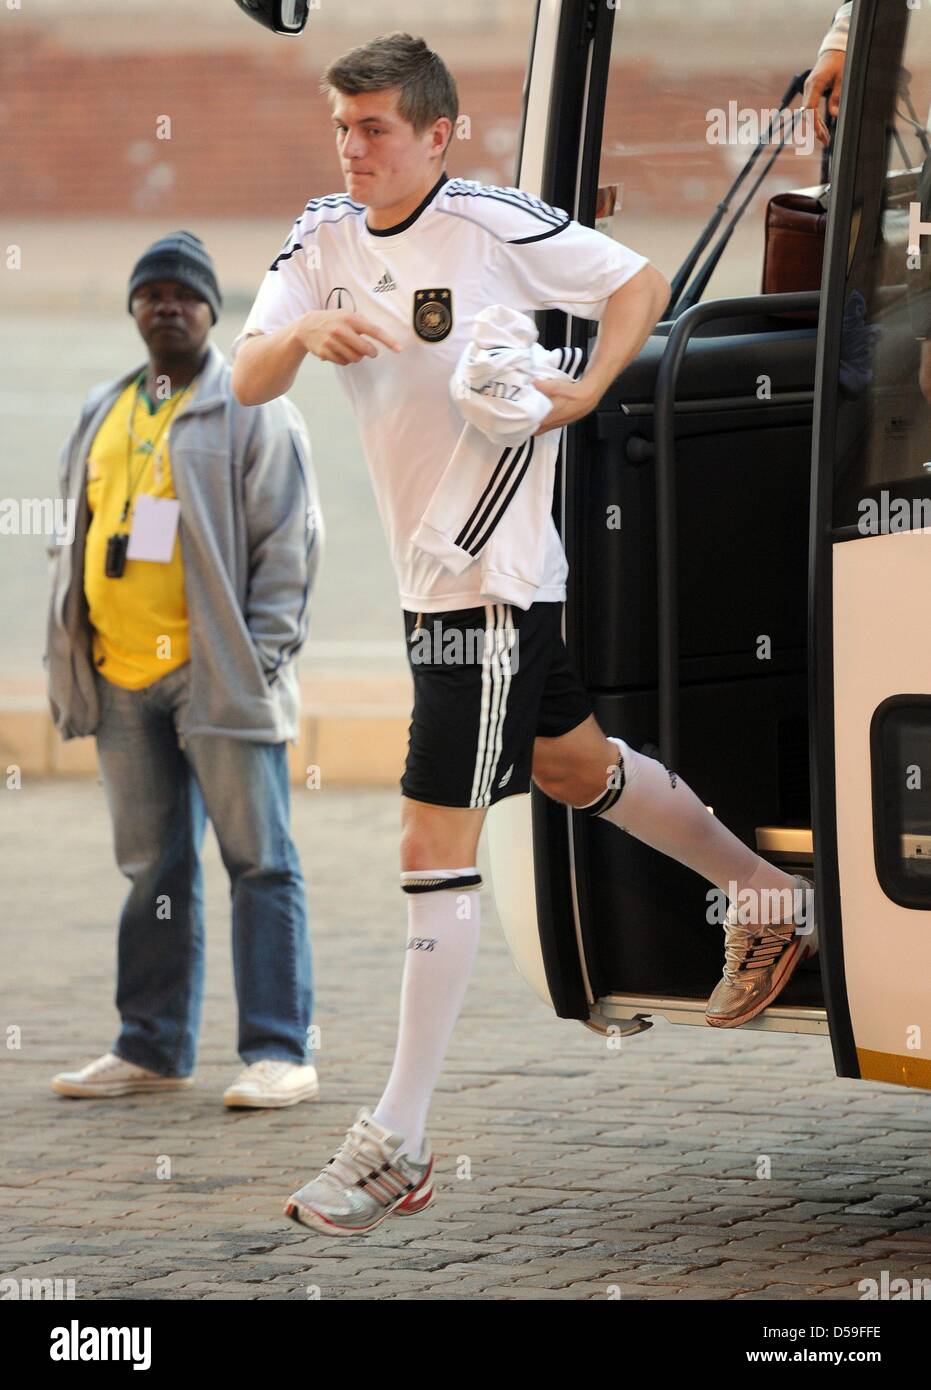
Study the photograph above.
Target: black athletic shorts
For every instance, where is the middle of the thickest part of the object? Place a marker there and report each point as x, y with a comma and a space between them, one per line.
487, 682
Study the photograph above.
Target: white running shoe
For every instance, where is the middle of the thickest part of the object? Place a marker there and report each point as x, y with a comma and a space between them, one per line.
110, 1075
270, 1084
366, 1180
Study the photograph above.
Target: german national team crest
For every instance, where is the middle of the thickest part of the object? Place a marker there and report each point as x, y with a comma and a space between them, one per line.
433, 314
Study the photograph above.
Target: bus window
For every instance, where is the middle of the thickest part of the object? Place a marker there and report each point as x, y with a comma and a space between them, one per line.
690, 88
900, 743
882, 477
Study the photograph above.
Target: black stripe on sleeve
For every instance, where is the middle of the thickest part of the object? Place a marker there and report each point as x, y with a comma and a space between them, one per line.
554, 231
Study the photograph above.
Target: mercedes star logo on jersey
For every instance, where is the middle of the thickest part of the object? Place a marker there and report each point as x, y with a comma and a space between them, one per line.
341, 298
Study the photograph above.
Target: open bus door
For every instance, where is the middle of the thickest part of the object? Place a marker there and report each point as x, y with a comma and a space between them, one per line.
665, 636
740, 519
871, 559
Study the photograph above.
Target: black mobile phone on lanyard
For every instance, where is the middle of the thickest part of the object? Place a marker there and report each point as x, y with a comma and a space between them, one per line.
116, 555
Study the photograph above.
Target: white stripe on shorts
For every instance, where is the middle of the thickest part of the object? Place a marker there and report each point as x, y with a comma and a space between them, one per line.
496, 682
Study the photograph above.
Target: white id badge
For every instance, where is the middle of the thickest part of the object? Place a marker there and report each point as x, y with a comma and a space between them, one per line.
155, 525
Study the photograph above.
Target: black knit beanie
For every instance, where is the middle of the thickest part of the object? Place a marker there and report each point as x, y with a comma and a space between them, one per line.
182, 256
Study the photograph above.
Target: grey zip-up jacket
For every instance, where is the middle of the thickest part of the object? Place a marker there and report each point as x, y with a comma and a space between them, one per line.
251, 537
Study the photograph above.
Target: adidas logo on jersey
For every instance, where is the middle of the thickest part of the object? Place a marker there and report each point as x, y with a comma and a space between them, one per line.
385, 283
506, 778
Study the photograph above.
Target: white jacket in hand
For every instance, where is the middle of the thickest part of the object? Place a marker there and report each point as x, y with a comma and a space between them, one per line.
494, 500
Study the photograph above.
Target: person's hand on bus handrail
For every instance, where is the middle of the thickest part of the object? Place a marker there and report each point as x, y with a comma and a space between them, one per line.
827, 74
825, 77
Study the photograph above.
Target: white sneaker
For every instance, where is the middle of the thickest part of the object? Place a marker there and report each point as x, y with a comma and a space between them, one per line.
110, 1075
366, 1180
270, 1084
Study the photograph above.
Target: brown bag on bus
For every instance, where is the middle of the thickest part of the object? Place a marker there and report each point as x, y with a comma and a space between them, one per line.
794, 242
795, 230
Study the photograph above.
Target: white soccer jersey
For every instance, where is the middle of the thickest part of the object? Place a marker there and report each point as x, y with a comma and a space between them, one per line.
468, 245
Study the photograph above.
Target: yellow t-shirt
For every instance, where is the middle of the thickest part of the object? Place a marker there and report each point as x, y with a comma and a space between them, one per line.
140, 620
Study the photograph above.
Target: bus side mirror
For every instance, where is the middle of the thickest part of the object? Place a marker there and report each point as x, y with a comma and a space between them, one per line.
281, 16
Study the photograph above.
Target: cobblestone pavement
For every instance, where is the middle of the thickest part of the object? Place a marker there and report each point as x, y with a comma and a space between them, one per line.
566, 1171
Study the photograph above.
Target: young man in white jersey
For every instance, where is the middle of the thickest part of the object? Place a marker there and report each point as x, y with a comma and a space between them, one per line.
386, 281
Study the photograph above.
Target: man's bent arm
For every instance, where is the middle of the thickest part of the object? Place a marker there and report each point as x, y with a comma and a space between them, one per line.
267, 363
630, 316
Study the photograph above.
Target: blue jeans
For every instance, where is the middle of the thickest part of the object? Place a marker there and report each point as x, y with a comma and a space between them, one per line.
160, 794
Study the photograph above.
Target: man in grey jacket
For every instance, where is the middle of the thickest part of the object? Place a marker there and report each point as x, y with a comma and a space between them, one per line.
176, 615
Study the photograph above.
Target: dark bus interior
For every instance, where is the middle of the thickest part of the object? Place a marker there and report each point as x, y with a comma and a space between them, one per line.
742, 485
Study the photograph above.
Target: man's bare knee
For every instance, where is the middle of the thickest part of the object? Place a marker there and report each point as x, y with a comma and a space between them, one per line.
438, 837
569, 787
575, 770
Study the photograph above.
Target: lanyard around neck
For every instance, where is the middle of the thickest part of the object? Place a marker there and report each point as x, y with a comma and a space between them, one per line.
147, 446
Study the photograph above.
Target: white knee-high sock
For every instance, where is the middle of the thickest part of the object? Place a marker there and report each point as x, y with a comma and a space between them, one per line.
657, 807
442, 940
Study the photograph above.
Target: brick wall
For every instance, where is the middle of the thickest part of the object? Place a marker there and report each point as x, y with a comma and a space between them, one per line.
250, 132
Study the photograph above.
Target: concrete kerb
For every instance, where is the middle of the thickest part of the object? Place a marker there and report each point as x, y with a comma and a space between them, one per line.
352, 733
